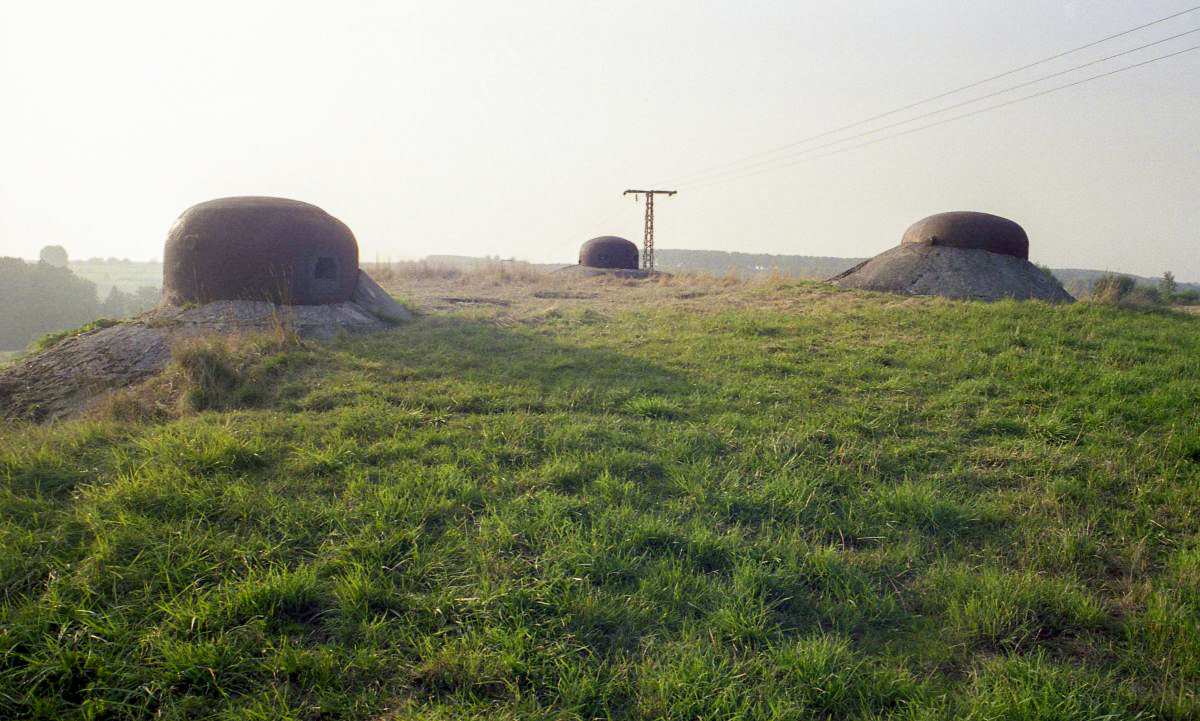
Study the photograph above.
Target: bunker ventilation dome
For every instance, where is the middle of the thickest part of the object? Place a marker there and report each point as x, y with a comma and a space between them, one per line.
253, 248
609, 251
958, 255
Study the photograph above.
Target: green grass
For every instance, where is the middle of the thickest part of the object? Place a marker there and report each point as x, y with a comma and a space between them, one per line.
862, 509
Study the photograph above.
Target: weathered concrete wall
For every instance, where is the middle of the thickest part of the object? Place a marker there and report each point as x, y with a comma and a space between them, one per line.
968, 273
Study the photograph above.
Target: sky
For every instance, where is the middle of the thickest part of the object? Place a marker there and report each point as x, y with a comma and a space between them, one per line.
510, 128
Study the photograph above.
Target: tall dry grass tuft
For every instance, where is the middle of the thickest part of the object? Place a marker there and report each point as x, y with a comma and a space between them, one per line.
770, 281
411, 270
697, 280
1110, 288
218, 372
148, 402
211, 372
483, 271
505, 271
1123, 290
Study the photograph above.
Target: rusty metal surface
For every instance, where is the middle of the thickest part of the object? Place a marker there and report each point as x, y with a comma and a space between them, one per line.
609, 251
253, 248
972, 230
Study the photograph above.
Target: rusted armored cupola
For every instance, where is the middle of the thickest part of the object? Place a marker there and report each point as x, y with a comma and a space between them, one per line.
969, 229
609, 251
252, 248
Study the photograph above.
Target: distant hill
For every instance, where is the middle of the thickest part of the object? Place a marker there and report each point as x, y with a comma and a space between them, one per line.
1081, 279
129, 276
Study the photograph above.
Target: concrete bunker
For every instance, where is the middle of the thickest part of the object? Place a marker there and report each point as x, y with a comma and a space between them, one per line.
610, 252
255, 248
962, 254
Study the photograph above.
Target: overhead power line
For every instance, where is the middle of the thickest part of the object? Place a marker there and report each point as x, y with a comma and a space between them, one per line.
684, 178
609, 210
948, 120
616, 208
697, 181
931, 113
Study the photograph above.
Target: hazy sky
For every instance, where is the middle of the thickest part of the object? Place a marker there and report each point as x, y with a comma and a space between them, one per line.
511, 127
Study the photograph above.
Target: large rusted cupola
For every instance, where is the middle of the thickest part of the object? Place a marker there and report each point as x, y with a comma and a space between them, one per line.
255, 248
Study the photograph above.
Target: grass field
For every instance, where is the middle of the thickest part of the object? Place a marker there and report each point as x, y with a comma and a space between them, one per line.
663, 500
126, 275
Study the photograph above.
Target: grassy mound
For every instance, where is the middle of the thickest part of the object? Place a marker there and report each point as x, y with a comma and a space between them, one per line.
808, 504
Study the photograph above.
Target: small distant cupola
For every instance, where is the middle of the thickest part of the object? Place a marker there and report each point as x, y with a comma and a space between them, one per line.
609, 251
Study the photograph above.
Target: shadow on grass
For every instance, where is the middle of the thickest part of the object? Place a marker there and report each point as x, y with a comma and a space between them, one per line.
464, 365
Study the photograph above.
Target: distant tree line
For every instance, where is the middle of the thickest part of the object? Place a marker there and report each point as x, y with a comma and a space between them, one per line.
43, 297
119, 304
38, 299
54, 255
1116, 288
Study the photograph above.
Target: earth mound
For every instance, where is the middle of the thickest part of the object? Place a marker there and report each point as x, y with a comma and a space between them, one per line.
71, 375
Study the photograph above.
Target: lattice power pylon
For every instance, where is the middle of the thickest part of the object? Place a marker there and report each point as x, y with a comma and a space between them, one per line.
648, 245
